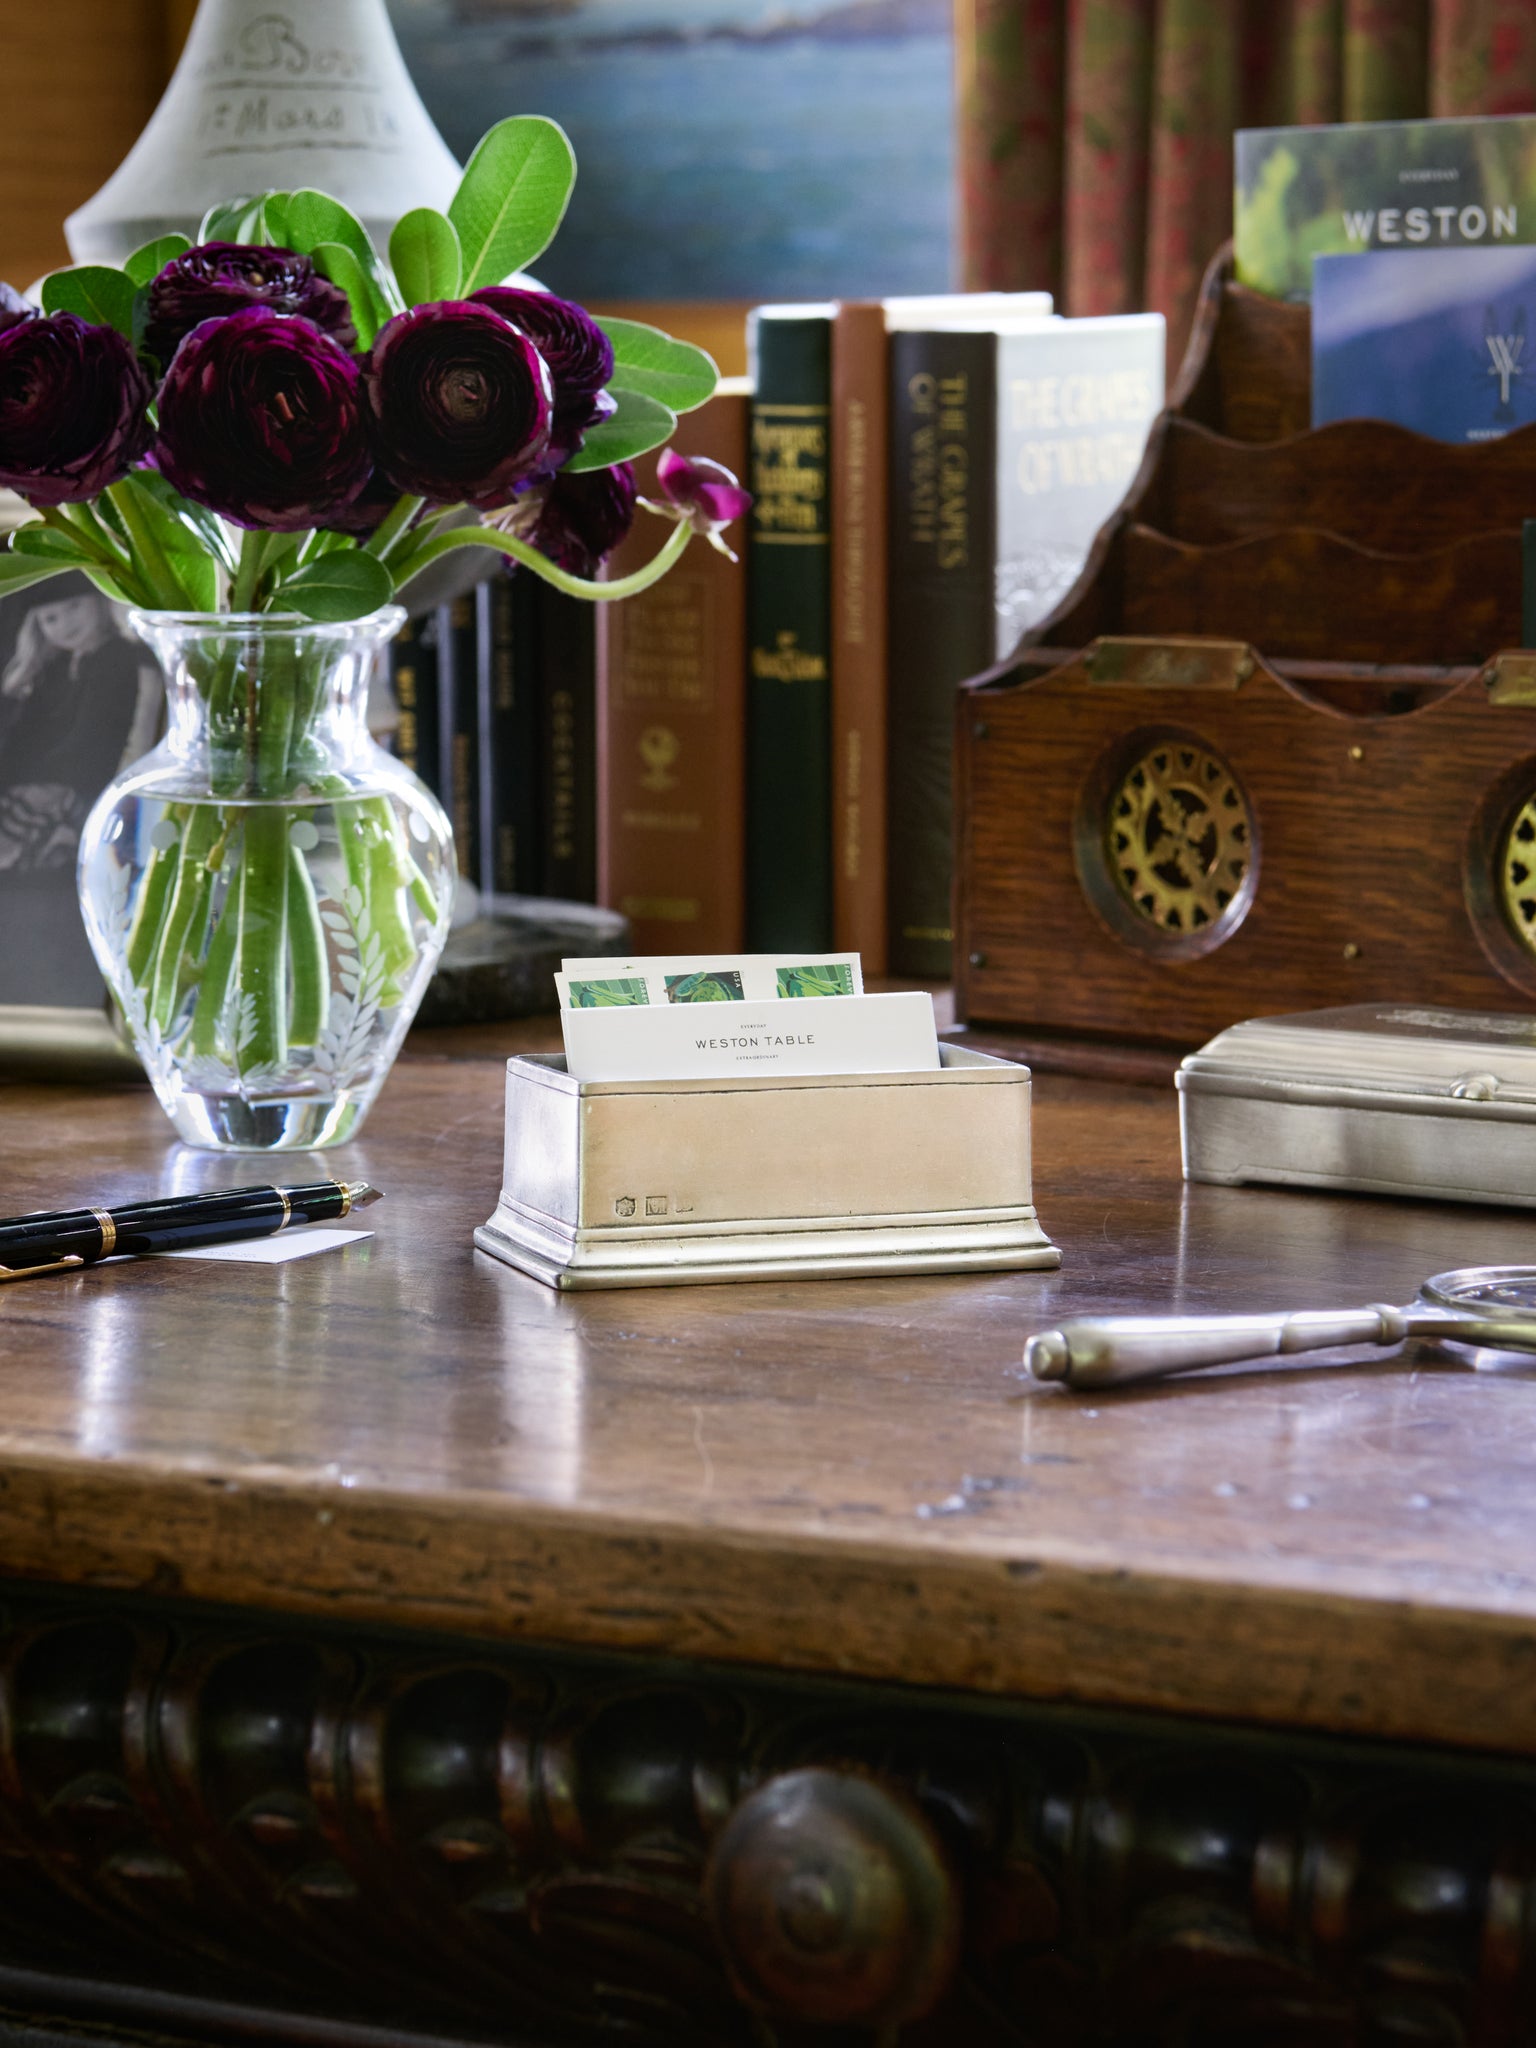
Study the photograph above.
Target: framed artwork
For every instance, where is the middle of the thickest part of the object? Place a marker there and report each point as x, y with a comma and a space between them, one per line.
78, 698
727, 149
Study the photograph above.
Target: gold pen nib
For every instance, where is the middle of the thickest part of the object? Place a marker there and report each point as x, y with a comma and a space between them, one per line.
359, 1194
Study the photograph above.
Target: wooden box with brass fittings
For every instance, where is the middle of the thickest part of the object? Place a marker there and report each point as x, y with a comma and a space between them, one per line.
651, 1183
1276, 750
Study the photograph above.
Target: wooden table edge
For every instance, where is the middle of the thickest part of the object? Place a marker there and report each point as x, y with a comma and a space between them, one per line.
1045, 1628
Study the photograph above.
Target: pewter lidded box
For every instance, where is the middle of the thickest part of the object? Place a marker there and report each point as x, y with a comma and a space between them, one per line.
1381, 1098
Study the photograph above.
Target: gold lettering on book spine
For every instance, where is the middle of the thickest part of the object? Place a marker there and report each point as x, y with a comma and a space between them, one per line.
789, 473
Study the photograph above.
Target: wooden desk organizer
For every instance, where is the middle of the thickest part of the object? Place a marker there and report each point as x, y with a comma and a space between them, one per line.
1266, 755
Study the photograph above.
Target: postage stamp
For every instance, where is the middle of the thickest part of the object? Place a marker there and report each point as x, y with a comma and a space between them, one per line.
718, 985
627, 993
822, 978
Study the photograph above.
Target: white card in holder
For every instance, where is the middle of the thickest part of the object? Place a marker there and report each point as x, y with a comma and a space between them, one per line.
884, 1034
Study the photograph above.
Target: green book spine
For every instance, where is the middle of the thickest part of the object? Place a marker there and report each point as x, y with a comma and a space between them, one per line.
789, 638
943, 464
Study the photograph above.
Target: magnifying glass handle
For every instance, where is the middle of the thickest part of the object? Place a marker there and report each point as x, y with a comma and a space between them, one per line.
1114, 1351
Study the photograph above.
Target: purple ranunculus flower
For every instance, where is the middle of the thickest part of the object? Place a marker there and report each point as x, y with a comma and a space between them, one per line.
702, 493
461, 403
579, 355
261, 419
73, 407
579, 517
575, 518
226, 277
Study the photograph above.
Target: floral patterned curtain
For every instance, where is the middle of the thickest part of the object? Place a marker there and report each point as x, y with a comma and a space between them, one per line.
1095, 136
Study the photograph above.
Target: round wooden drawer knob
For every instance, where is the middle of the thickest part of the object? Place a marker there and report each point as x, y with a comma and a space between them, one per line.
834, 1902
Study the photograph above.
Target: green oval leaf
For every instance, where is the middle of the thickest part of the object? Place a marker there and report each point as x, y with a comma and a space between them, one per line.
234, 220
108, 587
337, 587
425, 256
146, 263
158, 509
315, 219
48, 544
343, 269
512, 197
203, 530
274, 220
95, 293
650, 362
640, 423
18, 571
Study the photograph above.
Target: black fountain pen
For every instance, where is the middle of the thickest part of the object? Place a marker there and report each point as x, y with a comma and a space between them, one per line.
59, 1241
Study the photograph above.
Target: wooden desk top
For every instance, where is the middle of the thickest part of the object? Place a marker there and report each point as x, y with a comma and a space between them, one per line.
837, 1476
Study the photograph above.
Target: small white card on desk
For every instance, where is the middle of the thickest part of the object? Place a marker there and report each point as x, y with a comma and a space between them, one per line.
885, 1034
272, 1251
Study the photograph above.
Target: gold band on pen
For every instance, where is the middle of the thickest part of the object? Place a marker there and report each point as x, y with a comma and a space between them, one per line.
346, 1196
108, 1229
287, 1210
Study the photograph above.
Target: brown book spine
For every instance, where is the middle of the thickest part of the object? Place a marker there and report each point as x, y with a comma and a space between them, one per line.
859, 497
672, 721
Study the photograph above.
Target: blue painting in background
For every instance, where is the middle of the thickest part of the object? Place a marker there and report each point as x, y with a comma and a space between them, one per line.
727, 149
1440, 340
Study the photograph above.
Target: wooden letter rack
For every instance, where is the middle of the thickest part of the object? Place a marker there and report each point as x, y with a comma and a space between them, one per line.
1267, 754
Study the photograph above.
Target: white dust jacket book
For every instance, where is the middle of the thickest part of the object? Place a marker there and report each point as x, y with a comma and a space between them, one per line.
1075, 402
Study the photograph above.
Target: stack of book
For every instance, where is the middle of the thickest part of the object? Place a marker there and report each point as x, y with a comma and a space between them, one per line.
758, 754
495, 709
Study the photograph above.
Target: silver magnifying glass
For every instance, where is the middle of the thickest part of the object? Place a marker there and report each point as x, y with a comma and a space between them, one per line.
1493, 1307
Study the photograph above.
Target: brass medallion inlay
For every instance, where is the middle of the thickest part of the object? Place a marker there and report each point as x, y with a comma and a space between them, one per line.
1179, 837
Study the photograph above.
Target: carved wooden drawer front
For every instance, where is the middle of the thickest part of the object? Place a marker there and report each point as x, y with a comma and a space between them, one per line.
392, 1839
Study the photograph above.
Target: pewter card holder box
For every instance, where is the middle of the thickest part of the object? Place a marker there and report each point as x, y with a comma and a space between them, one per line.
653, 1183
1378, 1098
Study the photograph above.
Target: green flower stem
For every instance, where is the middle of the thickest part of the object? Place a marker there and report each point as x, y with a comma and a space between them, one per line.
519, 551
306, 952
264, 937
308, 701
189, 908
392, 528
218, 969
275, 723
242, 597
279, 555
421, 891
218, 685
375, 869
154, 900
386, 907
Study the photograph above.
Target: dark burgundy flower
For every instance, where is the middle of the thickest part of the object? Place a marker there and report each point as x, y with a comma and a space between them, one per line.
579, 355
261, 419
578, 518
14, 307
701, 493
73, 407
461, 403
227, 277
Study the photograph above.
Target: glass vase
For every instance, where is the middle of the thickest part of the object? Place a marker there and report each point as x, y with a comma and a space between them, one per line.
268, 892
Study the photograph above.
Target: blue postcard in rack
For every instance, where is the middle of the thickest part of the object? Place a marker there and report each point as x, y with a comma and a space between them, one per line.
1440, 340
